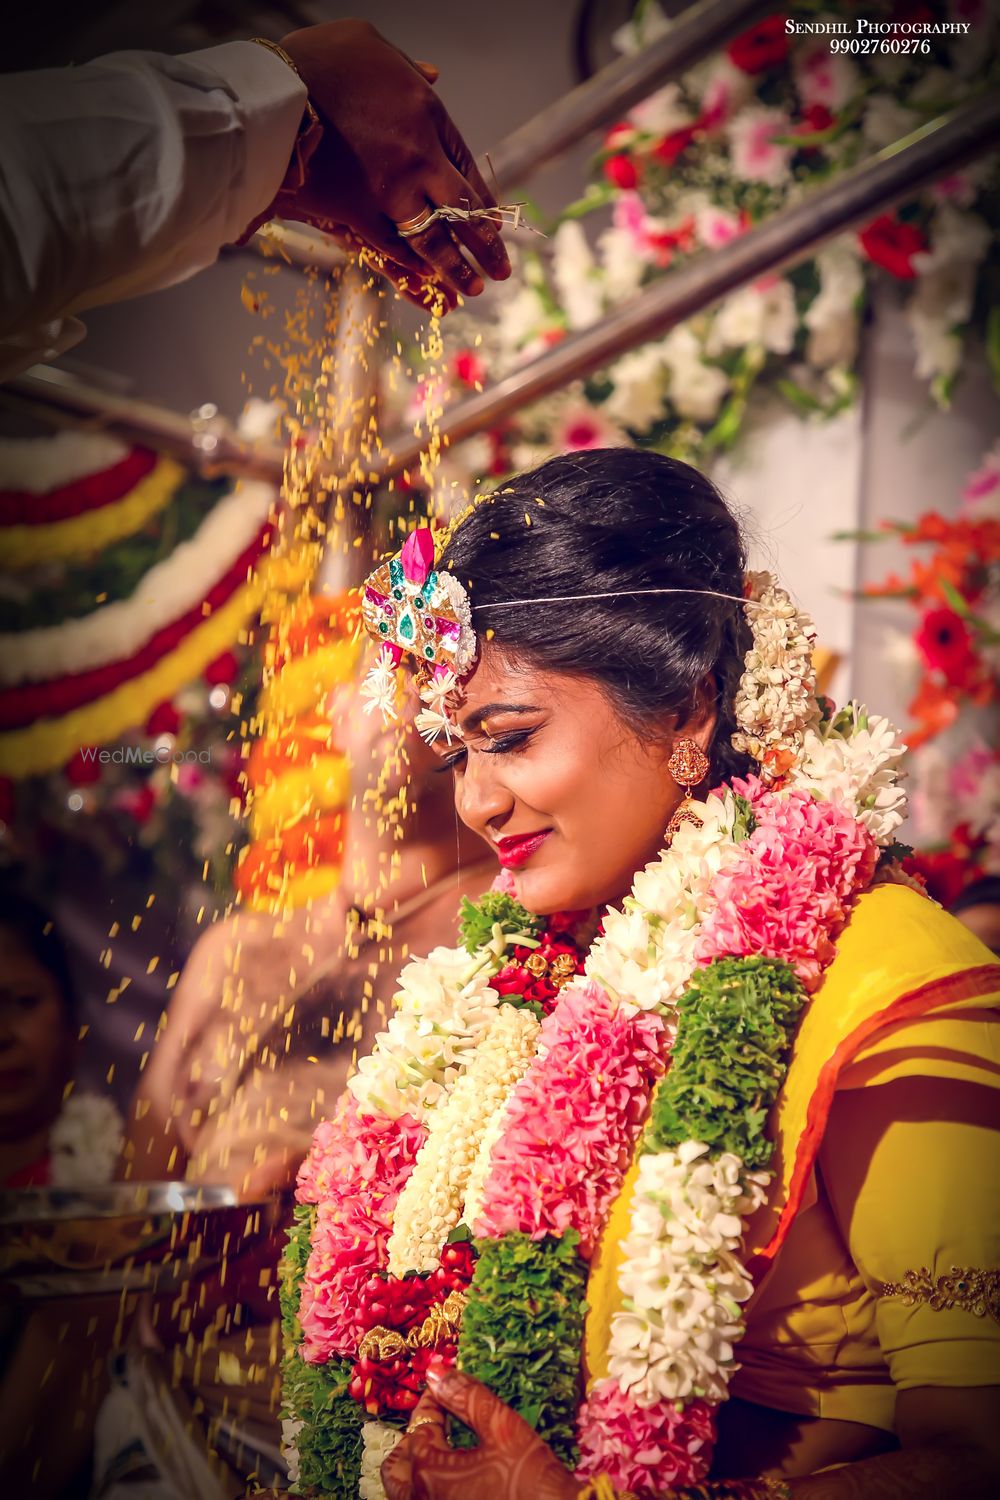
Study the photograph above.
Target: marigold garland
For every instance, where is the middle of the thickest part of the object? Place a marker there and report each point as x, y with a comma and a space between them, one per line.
93, 530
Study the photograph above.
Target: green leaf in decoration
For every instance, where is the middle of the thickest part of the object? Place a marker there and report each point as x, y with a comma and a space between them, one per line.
598, 195
745, 822
735, 1027
522, 1331
477, 920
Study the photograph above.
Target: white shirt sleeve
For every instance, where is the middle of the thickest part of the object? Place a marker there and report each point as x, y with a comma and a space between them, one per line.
128, 174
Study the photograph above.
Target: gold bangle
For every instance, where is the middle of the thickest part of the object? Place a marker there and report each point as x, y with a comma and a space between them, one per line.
311, 128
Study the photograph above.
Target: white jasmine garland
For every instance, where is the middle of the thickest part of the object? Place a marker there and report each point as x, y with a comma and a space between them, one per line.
681, 1279
647, 950
290, 1429
430, 1205
445, 1006
379, 1439
85, 1142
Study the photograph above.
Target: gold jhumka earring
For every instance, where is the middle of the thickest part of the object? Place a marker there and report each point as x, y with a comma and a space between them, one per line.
688, 765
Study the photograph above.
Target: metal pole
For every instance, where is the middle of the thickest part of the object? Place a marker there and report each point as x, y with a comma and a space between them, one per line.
789, 236
695, 33
203, 441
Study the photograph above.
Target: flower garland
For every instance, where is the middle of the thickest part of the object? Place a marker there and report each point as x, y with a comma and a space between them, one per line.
711, 958
84, 1146
165, 592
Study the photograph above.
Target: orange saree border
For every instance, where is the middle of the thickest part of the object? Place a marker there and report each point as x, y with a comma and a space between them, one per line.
936, 994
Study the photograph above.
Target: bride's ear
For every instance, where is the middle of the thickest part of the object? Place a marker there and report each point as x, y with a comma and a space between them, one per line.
700, 724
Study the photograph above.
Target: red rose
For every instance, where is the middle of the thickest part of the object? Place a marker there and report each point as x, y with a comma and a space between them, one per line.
137, 803
763, 46
816, 118
945, 644
469, 368
163, 720
222, 670
892, 245
670, 147
622, 171
83, 770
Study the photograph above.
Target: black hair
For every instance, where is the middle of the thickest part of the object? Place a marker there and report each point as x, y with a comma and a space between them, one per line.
35, 931
616, 521
983, 891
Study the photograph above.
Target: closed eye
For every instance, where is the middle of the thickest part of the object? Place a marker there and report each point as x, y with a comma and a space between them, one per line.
500, 744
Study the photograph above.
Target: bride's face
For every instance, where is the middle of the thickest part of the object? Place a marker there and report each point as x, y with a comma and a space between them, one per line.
570, 798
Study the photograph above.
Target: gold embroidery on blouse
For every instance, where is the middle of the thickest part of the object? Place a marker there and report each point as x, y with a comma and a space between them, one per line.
970, 1289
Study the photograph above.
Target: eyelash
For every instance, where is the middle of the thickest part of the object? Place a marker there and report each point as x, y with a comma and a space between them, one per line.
504, 744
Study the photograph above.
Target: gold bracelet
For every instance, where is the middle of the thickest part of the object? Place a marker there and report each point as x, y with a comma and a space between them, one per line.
311, 129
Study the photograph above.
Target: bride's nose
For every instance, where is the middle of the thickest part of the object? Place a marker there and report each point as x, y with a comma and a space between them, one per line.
481, 799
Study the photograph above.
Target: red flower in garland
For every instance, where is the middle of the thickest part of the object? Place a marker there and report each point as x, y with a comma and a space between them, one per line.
945, 643
83, 770
762, 46
669, 148
891, 244
469, 368
222, 670
400, 1304
163, 720
622, 171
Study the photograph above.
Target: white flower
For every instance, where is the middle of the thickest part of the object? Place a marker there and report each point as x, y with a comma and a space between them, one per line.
379, 688
443, 1012
826, 78
379, 1439
647, 25
763, 314
857, 764
680, 1278
756, 156
290, 1429
523, 316
832, 317
622, 267
776, 698
430, 1204
639, 386
696, 388
580, 426
577, 278
662, 113
716, 226
85, 1142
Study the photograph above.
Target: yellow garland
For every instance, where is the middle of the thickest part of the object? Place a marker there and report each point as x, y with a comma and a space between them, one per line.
322, 786
96, 529
301, 685
48, 744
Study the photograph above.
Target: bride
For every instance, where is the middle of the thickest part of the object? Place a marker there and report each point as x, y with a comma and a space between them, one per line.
677, 1168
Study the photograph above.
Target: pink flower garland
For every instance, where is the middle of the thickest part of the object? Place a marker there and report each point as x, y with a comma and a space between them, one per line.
572, 1120
356, 1171
787, 895
645, 1449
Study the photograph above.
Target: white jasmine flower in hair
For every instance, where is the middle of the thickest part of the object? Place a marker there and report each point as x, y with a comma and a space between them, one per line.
379, 688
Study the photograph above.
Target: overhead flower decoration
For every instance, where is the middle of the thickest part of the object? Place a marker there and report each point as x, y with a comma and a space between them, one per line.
702, 161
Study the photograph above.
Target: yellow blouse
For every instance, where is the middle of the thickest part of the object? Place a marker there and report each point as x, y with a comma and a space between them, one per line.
895, 1078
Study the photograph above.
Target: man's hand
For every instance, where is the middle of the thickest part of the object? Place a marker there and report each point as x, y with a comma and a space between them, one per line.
389, 153
510, 1463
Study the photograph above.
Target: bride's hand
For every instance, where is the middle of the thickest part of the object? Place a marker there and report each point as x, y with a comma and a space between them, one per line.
510, 1463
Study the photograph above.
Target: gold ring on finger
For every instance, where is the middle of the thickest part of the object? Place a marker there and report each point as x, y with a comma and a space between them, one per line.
407, 228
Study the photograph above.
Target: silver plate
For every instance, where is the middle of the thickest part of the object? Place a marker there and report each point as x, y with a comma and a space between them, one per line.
150, 1236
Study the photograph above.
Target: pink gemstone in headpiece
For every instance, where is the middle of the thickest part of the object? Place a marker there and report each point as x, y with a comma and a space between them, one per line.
417, 555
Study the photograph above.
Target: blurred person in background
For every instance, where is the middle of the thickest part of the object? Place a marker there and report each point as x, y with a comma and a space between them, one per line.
978, 907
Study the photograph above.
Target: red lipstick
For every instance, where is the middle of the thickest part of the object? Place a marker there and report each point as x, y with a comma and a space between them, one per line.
516, 851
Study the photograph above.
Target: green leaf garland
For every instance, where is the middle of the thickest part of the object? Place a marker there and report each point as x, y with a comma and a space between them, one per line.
522, 1332
735, 1026
477, 920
